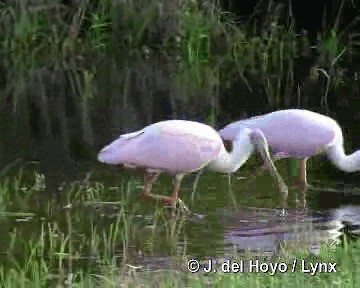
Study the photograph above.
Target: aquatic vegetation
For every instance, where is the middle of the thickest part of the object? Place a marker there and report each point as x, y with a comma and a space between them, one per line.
101, 235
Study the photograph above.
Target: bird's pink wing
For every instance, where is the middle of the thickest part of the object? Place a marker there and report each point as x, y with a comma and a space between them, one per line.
290, 133
297, 136
171, 152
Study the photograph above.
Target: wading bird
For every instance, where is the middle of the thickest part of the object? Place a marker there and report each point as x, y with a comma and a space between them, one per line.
299, 134
179, 147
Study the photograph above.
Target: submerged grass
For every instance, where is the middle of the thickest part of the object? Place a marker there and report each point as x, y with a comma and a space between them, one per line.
40, 269
95, 241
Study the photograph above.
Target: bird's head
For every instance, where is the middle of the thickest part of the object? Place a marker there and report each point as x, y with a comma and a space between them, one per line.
260, 143
228, 144
258, 139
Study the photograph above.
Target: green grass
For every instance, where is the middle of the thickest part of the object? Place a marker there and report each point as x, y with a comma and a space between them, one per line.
40, 268
102, 236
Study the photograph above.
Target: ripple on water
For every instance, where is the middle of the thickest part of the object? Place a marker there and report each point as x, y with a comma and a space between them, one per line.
261, 230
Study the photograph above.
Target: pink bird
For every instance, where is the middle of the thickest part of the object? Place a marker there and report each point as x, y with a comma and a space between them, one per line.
179, 147
299, 134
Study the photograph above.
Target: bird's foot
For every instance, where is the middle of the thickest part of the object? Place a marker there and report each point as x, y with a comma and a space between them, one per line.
146, 196
165, 200
301, 184
283, 212
168, 201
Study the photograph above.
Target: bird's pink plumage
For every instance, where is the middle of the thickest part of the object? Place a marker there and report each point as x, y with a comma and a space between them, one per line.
294, 132
173, 146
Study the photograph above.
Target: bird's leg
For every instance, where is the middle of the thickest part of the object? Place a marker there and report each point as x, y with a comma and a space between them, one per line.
174, 196
300, 181
173, 199
167, 200
149, 179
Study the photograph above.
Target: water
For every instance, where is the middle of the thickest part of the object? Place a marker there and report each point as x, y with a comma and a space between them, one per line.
88, 223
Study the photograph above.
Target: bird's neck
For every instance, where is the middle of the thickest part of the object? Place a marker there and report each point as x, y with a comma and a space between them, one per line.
230, 162
346, 163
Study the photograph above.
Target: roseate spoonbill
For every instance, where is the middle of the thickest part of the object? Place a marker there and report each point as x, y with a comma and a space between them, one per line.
179, 147
299, 134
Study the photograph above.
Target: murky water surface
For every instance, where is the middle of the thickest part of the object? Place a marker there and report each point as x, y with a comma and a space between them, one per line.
104, 217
